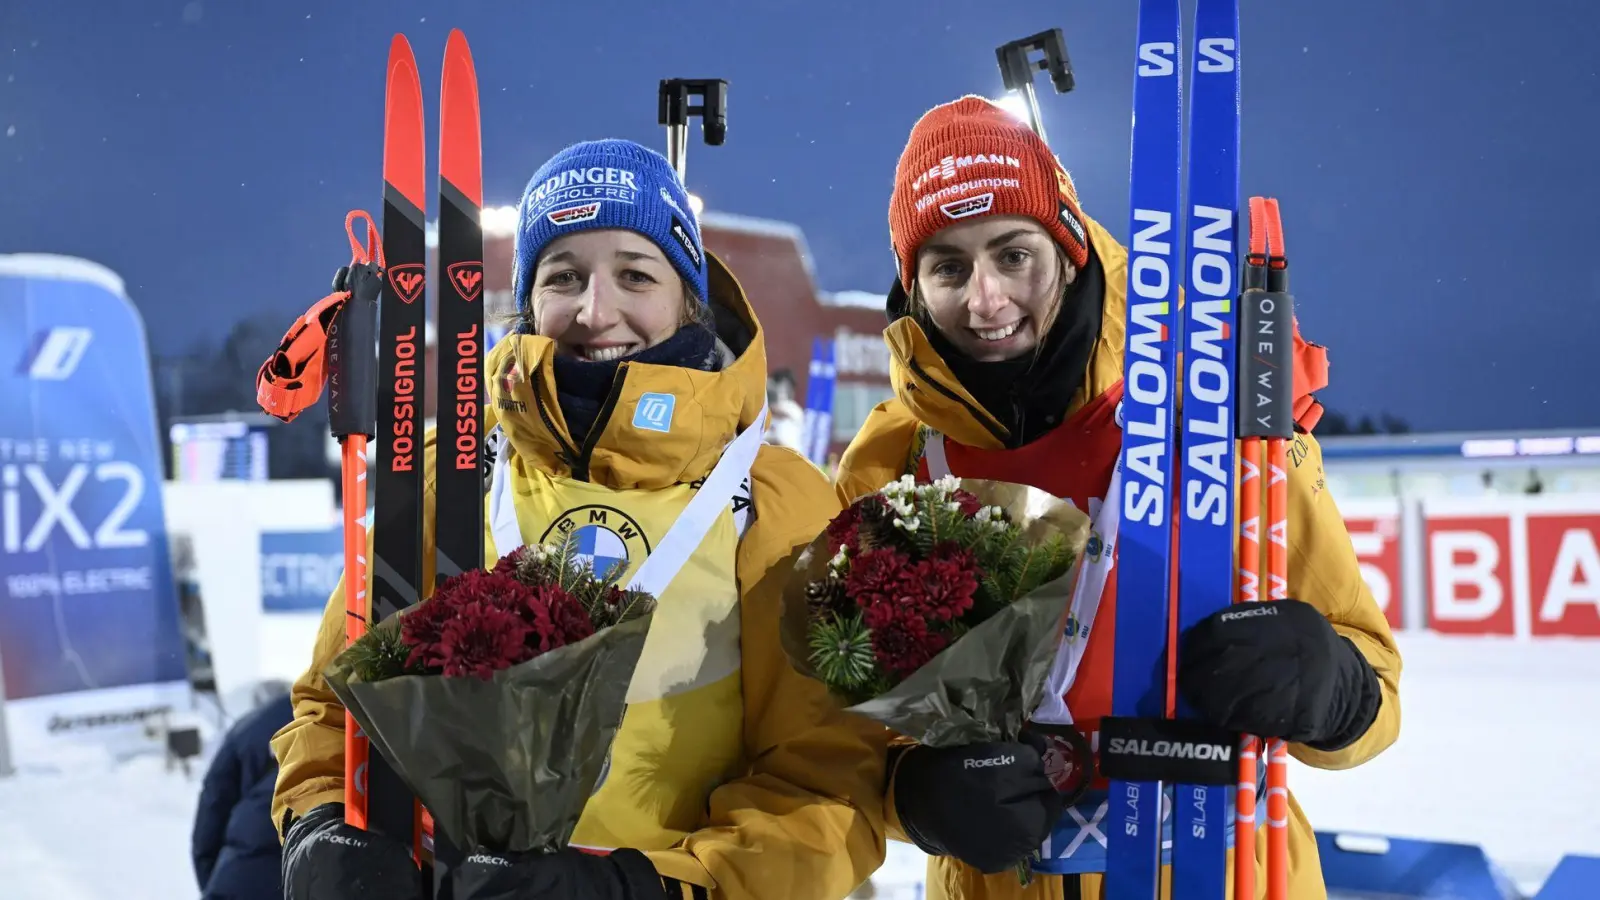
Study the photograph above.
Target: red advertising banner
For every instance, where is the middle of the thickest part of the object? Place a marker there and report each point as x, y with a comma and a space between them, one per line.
1527, 566
1469, 580
1564, 573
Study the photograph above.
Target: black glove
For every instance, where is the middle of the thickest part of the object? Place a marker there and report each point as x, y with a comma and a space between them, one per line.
1278, 669
567, 874
325, 859
989, 805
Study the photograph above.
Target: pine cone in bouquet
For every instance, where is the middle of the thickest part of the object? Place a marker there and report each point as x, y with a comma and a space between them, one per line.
504, 687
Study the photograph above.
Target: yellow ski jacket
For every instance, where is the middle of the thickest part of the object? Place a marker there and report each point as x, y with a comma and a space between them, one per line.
1322, 564
743, 777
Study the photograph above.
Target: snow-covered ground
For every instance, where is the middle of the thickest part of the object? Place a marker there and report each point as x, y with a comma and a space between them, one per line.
98, 830
1498, 748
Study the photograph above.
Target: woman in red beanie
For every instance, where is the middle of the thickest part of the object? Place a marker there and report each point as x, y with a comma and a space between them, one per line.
1006, 344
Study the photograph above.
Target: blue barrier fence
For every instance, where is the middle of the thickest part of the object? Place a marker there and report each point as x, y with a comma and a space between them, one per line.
1362, 866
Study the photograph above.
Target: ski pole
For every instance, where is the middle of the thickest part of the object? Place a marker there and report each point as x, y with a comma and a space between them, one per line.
333, 344
1266, 425
352, 413
1244, 835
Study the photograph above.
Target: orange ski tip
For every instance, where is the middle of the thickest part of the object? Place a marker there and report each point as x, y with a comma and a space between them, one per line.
403, 122
460, 129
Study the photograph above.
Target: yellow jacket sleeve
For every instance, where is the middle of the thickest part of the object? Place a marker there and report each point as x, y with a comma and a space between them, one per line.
1324, 572
310, 749
805, 821
879, 453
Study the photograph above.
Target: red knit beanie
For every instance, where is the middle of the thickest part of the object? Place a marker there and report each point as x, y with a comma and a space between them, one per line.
971, 158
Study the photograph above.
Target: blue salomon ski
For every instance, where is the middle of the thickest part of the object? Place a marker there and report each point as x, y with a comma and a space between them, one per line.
1133, 821
1172, 774
1203, 814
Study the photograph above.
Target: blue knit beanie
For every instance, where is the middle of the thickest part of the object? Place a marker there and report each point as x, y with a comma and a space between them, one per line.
608, 184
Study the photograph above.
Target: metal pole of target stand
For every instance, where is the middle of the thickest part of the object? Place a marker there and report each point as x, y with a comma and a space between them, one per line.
1016, 70
673, 111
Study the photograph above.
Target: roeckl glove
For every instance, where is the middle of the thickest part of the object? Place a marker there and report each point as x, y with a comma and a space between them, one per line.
325, 859
567, 874
1278, 669
989, 805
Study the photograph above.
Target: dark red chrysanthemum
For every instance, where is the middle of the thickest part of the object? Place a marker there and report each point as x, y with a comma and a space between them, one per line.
909, 602
482, 639
905, 603
420, 629
611, 604
883, 613
501, 590
942, 586
507, 565
903, 643
570, 620
844, 530
459, 603
875, 575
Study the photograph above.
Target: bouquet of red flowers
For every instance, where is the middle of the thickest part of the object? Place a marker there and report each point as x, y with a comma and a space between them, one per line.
936, 609
497, 698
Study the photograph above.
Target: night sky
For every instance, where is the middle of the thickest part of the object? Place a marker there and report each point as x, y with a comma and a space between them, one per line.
1435, 159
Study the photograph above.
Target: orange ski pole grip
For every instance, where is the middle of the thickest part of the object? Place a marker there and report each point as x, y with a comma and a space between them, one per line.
291, 379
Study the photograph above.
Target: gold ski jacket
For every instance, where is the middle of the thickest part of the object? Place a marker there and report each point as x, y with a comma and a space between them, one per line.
1075, 461
742, 778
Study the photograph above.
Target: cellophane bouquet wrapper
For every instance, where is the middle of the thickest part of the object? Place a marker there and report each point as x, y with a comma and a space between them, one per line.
504, 754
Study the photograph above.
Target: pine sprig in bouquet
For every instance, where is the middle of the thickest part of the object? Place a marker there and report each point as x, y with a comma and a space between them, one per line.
497, 698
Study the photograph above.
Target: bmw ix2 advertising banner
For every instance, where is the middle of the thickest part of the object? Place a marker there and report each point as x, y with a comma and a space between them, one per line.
90, 646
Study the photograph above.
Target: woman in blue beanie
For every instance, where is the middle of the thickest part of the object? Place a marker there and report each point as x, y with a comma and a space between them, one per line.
635, 380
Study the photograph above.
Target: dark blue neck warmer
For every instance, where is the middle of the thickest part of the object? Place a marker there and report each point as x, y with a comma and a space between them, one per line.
582, 386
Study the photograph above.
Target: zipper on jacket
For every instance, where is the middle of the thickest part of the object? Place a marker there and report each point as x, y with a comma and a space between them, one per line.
580, 466
978, 414
567, 453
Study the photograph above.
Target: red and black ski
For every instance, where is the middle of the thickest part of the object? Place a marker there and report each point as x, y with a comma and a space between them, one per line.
335, 341
459, 508
391, 808
381, 801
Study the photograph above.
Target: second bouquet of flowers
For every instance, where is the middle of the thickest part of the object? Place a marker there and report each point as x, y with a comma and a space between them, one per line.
937, 609
496, 699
